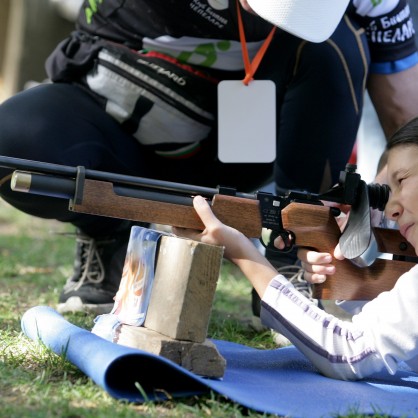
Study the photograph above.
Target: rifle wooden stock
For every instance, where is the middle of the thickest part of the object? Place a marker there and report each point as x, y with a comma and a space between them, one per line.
315, 227
99, 198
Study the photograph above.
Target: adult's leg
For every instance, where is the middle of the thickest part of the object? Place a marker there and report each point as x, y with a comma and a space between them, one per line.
205, 169
319, 107
60, 123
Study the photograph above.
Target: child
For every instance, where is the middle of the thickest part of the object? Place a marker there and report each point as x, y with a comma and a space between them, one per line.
385, 332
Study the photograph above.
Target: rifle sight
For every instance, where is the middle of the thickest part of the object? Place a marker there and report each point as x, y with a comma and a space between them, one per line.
378, 195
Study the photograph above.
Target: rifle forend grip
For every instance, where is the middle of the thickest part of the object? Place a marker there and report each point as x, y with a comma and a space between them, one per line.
240, 213
100, 198
315, 227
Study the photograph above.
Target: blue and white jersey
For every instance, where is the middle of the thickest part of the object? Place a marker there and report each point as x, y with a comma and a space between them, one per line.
390, 33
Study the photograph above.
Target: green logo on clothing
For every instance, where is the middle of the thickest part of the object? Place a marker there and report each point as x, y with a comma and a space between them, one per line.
92, 9
207, 51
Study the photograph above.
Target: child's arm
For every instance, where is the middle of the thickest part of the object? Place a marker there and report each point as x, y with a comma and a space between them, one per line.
238, 248
324, 339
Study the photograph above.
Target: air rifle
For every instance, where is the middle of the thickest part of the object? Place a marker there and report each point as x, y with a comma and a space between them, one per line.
302, 216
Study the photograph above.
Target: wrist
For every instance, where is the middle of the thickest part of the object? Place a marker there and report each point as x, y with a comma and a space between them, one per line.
255, 267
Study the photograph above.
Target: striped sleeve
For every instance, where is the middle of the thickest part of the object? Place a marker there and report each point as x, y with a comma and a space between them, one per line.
342, 349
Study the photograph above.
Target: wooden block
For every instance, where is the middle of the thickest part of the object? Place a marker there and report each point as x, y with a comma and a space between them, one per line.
184, 286
200, 358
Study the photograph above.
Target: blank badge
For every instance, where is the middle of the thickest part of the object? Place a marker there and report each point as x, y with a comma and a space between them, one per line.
247, 121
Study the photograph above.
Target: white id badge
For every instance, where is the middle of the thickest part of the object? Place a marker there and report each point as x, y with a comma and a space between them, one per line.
247, 121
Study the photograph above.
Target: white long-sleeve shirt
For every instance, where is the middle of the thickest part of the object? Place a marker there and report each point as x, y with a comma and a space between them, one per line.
383, 334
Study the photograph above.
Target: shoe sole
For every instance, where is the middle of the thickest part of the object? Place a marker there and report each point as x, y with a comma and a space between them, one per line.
75, 304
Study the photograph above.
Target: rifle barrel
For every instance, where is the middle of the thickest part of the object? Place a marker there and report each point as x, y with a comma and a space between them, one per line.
116, 179
65, 188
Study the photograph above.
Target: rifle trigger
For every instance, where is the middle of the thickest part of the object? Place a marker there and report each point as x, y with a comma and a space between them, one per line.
79, 185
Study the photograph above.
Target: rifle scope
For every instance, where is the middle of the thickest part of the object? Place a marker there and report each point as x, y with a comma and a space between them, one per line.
351, 182
378, 195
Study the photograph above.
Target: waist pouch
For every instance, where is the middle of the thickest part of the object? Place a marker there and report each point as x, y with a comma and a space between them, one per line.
163, 103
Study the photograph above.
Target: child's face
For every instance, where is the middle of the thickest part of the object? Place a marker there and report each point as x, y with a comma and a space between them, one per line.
403, 182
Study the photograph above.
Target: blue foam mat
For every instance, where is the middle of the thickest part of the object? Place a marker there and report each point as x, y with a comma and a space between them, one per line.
277, 381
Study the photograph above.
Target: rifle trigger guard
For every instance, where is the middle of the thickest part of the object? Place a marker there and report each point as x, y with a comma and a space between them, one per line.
79, 185
288, 238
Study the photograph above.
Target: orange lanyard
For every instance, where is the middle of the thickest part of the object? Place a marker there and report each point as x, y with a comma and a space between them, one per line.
251, 67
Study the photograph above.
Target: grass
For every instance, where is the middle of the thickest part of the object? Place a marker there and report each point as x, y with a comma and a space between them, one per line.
36, 256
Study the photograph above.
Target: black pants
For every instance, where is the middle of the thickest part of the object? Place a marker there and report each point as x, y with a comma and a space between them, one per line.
319, 100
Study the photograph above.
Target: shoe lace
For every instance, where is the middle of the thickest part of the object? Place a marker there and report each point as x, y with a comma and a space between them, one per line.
91, 264
294, 274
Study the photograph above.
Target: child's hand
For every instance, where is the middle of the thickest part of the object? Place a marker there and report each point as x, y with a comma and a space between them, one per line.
215, 232
317, 265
